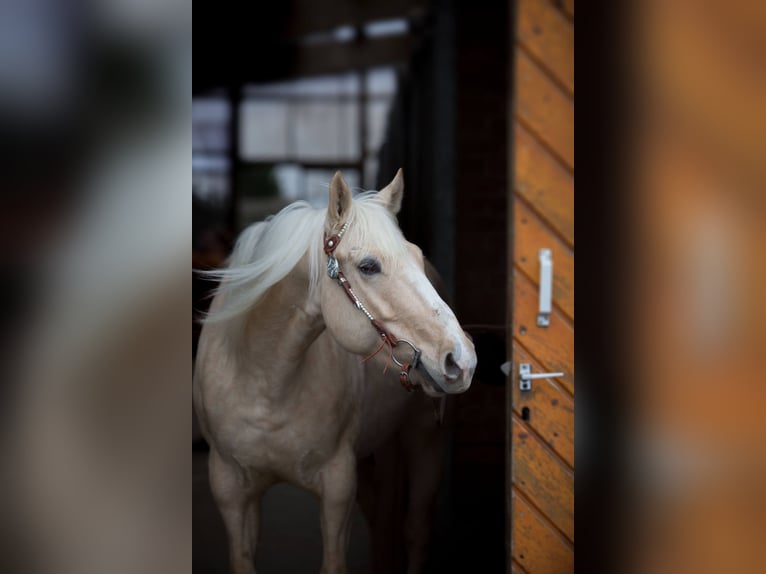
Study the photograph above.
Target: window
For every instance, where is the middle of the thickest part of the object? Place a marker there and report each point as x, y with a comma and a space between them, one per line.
293, 135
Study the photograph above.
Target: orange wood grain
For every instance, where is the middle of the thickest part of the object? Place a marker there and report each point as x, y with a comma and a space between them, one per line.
541, 464
543, 182
553, 346
536, 545
547, 34
542, 106
532, 235
568, 7
551, 409
516, 568
543, 478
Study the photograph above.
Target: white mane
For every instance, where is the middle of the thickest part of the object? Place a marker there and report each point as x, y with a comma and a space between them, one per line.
267, 251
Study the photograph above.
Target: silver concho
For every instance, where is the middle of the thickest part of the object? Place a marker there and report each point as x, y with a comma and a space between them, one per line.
332, 267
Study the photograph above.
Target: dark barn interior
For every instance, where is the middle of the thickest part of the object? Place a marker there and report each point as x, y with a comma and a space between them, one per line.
284, 99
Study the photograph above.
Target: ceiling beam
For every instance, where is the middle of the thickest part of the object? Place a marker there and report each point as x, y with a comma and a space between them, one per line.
336, 58
231, 47
297, 61
310, 16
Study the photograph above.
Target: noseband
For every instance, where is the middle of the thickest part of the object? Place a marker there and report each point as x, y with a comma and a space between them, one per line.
333, 270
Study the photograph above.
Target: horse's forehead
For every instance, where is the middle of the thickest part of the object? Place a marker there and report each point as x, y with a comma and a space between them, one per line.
383, 242
387, 250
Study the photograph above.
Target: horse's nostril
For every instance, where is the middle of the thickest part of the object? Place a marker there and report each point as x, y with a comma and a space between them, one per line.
451, 368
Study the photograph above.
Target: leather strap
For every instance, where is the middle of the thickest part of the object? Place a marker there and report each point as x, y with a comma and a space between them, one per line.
330, 245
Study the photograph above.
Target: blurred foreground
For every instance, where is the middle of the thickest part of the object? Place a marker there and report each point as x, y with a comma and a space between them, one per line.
694, 291
95, 227
95, 223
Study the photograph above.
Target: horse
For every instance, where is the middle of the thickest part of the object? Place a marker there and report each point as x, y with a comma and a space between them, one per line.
295, 377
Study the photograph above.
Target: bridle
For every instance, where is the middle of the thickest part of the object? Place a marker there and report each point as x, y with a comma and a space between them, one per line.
333, 270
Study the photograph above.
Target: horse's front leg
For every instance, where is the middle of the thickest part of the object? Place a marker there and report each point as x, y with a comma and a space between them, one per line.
238, 494
338, 493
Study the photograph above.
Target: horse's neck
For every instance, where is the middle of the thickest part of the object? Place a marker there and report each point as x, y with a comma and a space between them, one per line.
280, 329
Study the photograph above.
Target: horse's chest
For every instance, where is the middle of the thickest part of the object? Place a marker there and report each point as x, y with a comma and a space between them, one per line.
296, 440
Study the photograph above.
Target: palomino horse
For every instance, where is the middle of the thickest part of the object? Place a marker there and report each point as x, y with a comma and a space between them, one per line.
282, 387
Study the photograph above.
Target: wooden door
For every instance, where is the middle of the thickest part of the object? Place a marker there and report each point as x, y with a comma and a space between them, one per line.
697, 272
541, 420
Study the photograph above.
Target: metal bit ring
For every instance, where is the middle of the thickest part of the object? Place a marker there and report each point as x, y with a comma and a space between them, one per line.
415, 359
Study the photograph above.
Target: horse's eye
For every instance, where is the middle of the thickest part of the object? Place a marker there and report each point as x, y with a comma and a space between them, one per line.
369, 266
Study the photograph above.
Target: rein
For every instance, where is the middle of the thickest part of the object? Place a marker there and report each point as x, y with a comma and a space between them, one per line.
388, 339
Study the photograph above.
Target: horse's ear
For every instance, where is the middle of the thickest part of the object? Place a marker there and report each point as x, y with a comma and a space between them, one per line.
391, 195
340, 201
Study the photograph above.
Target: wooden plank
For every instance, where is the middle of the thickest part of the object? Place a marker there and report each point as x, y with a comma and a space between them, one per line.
568, 7
546, 33
551, 410
537, 546
552, 346
543, 478
543, 182
718, 99
542, 457
545, 109
532, 235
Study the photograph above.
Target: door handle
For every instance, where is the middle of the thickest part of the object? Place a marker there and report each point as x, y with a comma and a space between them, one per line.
526, 376
546, 286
